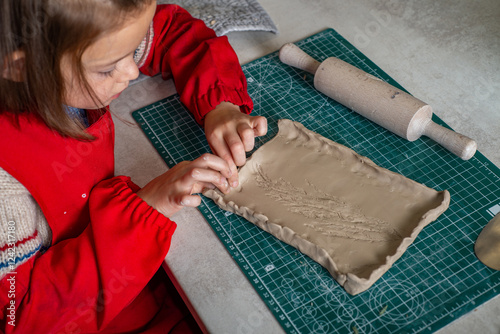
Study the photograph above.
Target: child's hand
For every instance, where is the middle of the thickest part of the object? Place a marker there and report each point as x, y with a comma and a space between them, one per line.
230, 134
169, 192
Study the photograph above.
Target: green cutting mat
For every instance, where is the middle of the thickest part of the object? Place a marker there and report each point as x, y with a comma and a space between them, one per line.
436, 281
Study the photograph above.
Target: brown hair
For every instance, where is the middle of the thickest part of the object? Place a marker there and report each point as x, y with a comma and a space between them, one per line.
45, 30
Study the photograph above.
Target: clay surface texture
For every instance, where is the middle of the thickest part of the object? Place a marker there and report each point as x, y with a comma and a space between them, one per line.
487, 246
339, 208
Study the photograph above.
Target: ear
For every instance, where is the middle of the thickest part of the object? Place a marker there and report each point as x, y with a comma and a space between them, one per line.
14, 66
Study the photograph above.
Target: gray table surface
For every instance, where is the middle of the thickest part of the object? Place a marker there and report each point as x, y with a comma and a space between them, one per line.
444, 52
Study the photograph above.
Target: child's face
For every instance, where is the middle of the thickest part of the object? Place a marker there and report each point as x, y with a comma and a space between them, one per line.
108, 63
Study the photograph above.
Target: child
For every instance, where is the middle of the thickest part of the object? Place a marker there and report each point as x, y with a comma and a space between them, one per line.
81, 249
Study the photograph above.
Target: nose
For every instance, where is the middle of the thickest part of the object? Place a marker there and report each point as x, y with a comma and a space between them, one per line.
128, 70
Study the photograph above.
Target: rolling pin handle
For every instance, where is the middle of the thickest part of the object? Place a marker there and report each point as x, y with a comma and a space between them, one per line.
292, 55
460, 145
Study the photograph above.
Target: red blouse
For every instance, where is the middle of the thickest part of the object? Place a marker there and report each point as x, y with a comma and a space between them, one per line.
107, 242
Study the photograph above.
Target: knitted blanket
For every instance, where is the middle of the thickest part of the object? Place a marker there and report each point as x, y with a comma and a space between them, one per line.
224, 16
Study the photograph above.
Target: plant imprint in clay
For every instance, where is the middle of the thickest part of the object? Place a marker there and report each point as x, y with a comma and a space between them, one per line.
339, 208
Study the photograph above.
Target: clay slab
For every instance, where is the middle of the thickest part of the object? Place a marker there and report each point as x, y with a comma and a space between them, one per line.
339, 208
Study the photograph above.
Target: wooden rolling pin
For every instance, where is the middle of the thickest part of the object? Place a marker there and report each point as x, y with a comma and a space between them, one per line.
377, 100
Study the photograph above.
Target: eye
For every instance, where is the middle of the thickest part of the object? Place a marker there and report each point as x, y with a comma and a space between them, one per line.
106, 73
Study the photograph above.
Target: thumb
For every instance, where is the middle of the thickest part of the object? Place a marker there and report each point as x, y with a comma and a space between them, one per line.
259, 125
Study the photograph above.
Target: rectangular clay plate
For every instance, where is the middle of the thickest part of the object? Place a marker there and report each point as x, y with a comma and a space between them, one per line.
339, 208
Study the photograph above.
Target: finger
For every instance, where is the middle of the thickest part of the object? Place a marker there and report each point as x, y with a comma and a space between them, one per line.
236, 148
247, 136
233, 180
198, 175
199, 187
213, 162
223, 152
260, 125
190, 200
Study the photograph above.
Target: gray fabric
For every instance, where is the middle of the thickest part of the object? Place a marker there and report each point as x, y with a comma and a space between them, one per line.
224, 16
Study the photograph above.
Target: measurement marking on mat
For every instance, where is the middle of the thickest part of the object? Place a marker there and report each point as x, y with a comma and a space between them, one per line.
494, 210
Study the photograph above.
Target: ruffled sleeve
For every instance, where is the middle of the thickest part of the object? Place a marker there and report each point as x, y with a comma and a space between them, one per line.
204, 67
